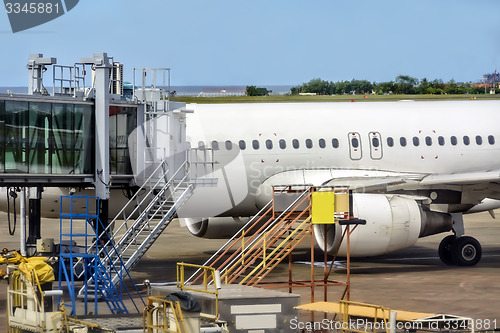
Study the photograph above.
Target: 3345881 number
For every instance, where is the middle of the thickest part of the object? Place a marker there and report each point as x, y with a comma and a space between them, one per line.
32, 8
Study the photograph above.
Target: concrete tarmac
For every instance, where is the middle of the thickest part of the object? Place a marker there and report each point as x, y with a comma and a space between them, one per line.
412, 279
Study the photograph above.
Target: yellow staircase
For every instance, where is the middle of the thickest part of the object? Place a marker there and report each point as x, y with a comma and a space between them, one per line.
269, 237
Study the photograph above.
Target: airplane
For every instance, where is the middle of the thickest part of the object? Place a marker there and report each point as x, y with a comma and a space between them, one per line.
415, 168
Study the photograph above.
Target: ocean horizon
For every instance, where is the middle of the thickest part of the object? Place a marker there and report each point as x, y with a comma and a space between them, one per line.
190, 90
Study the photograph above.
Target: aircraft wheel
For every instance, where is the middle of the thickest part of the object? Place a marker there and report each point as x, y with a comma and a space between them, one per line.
445, 249
466, 251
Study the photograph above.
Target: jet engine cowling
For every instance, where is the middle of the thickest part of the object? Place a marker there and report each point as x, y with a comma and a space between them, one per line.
214, 227
393, 222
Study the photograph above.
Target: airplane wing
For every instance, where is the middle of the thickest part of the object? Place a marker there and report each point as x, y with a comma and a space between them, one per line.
492, 176
370, 180
467, 189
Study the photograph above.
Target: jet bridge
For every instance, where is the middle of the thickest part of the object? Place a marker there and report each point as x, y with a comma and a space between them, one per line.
88, 133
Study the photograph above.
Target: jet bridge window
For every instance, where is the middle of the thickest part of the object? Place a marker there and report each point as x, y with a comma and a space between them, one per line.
441, 141
242, 144
282, 144
269, 144
322, 143
479, 140
454, 140
428, 140
335, 143
295, 143
255, 144
466, 140
309, 143
402, 141
229, 145
491, 140
390, 141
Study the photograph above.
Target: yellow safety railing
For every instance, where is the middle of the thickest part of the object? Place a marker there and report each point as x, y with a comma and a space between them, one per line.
376, 312
214, 276
272, 254
158, 318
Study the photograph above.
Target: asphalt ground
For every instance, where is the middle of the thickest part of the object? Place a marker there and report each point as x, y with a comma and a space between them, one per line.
413, 279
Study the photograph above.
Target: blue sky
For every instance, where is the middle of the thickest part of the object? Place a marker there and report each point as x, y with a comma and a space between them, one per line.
269, 42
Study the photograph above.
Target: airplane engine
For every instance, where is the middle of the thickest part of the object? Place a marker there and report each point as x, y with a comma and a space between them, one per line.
393, 222
214, 227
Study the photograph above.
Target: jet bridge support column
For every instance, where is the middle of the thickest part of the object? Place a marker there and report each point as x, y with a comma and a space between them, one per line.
101, 65
34, 221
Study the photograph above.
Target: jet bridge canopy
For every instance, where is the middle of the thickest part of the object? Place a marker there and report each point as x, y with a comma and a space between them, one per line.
50, 140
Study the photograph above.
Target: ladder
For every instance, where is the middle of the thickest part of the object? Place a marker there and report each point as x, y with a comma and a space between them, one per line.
160, 199
247, 260
82, 226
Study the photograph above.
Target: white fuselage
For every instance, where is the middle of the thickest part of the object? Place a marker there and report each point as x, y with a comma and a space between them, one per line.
453, 137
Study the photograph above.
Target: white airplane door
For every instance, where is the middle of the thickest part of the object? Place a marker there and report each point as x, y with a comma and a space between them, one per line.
375, 145
355, 146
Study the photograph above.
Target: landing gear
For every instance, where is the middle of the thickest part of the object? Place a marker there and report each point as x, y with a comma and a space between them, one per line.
461, 251
445, 249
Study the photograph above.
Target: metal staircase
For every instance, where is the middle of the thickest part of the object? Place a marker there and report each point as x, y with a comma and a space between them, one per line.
156, 204
274, 232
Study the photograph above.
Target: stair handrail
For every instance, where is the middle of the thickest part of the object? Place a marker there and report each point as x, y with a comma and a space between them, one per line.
155, 198
239, 232
251, 246
255, 245
278, 247
106, 230
120, 242
136, 194
116, 245
112, 256
257, 216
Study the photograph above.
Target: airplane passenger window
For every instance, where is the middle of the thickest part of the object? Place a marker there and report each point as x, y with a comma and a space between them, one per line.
375, 142
491, 140
269, 144
295, 143
282, 144
355, 142
229, 145
390, 141
309, 143
441, 141
201, 144
428, 140
416, 141
242, 145
479, 140
402, 141
454, 140
322, 143
466, 140
215, 145
335, 143
255, 144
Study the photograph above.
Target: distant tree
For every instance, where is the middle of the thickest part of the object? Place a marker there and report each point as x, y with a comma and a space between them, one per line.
361, 86
451, 87
405, 84
317, 86
384, 87
255, 91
